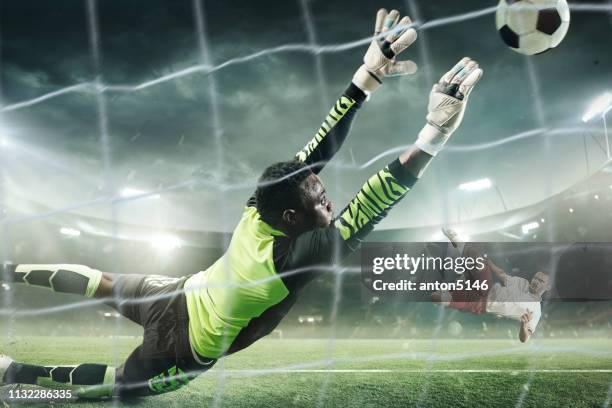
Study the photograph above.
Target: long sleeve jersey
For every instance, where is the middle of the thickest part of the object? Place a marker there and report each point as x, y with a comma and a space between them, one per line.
245, 294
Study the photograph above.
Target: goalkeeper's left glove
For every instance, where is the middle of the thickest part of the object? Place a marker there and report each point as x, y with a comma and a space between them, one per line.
379, 61
447, 103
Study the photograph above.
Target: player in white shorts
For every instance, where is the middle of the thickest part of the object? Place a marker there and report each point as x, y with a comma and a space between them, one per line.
512, 296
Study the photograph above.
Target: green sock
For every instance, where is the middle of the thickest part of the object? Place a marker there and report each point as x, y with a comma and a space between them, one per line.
83, 380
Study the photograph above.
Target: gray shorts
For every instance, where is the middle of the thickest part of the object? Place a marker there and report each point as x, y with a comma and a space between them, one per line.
158, 304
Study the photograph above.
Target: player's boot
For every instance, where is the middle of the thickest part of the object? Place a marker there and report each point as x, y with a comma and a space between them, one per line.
451, 235
5, 362
454, 239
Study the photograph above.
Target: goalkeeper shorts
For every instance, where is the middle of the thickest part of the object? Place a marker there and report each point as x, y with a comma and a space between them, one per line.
164, 361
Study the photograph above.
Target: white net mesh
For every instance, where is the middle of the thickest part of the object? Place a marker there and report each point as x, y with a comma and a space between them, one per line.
107, 218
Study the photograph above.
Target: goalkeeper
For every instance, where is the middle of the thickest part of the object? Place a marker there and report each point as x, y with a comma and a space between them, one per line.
285, 238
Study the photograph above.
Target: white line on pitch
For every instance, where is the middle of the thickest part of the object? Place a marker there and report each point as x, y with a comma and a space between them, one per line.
484, 370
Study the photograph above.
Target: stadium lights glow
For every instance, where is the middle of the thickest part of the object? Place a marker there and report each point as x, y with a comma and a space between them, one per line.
596, 196
510, 235
70, 232
599, 105
310, 319
527, 228
166, 242
131, 192
542, 220
571, 210
4, 142
476, 185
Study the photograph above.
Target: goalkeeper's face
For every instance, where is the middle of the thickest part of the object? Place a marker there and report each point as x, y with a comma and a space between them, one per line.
317, 211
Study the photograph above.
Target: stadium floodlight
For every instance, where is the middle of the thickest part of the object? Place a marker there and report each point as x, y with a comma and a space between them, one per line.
71, 232
133, 192
483, 184
527, 228
476, 185
310, 319
166, 242
599, 106
510, 235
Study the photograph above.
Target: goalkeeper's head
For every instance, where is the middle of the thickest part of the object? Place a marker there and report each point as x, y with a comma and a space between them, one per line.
291, 198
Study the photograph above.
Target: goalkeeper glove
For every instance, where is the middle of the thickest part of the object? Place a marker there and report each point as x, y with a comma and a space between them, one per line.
379, 61
447, 102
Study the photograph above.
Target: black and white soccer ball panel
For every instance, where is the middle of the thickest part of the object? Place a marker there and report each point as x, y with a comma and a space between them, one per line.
532, 26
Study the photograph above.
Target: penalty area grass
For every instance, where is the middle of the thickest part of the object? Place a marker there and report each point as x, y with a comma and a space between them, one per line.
366, 373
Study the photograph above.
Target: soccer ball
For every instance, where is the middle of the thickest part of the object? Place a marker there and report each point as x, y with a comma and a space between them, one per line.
532, 26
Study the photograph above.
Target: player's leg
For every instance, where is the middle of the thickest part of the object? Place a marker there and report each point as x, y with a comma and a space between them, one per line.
120, 291
445, 297
164, 362
141, 375
144, 375
139, 297
83, 380
62, 278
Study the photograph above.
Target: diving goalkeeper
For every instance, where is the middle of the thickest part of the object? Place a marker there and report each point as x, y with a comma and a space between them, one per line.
285, 238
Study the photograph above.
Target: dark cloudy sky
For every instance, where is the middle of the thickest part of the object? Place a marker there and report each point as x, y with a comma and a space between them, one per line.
163, 135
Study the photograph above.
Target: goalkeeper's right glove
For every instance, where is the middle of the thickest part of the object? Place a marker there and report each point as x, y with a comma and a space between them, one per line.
447, 103
379, 61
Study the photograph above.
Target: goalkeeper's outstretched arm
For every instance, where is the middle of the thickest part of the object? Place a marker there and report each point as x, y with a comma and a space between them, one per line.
333, 131
387, 187
306, 252
379, 62
447, 104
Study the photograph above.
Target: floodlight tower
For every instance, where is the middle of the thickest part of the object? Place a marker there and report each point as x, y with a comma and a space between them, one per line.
483, 184
600, 106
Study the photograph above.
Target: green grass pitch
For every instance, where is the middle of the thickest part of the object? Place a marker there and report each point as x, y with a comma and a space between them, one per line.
368, 373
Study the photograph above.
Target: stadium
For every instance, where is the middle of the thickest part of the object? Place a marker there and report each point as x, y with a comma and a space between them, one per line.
133, 133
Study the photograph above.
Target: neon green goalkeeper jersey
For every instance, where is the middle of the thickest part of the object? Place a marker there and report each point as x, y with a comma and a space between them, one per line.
247, 292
